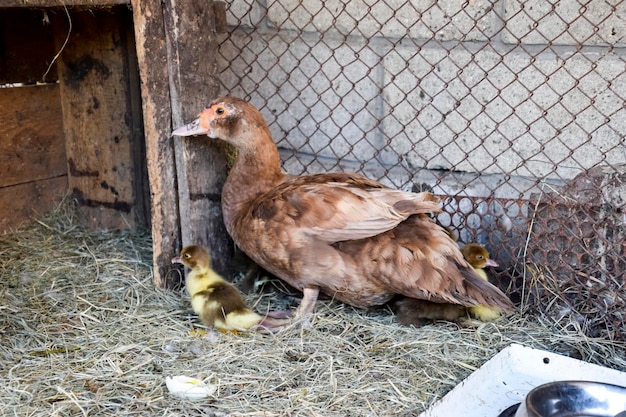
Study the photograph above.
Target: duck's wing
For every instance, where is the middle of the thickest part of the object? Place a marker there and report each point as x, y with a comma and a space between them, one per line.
419, 260
332, 209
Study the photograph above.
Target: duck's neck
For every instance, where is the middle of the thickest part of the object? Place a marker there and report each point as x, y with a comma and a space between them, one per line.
255, 171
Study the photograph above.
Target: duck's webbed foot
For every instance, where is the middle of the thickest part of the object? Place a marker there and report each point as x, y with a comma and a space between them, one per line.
280, 319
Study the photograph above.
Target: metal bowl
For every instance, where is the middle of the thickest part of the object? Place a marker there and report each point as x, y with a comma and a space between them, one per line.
574, 399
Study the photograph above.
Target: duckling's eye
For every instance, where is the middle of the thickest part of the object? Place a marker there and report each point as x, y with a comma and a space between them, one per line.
219, 111
186, 256
479, 257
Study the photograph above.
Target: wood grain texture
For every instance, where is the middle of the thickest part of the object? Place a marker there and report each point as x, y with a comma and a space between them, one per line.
152, 58
97, 116
32, 145
201, 163
178, 69
20, 203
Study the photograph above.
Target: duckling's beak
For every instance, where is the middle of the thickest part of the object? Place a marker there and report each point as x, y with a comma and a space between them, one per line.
190, 129
491, 262
176, 260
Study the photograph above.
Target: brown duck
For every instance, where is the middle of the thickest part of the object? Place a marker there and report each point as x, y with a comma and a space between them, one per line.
341, 233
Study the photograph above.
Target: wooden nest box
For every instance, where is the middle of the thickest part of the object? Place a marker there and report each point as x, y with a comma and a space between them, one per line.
90, 92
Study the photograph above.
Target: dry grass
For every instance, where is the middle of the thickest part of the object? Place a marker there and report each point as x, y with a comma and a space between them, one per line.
84, 333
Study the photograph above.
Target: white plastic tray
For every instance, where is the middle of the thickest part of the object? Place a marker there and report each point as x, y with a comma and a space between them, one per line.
506, 378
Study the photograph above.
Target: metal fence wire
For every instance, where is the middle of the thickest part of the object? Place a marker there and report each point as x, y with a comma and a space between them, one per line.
512, 111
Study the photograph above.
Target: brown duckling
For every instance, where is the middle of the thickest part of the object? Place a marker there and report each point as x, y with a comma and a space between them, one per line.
414, 312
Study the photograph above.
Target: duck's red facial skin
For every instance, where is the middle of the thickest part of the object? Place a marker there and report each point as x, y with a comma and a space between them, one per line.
211, 114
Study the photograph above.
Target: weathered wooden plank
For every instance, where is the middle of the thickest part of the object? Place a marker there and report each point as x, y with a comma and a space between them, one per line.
97, 116
201, 163
32, 144
20, 203
26, 46
152, 58
57, 3
141, 185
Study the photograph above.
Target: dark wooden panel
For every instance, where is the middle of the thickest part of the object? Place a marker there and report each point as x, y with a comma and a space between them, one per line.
32, 144
20, 203
98, 119
26, 45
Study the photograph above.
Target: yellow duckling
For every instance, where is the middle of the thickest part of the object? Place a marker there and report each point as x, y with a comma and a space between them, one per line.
217, 302
478, 257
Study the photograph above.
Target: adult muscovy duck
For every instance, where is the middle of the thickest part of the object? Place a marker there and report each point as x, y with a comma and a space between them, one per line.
342, 233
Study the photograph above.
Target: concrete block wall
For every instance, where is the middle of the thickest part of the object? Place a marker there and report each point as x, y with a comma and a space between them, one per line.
509, 91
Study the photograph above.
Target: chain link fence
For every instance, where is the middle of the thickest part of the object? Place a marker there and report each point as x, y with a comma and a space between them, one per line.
512, 111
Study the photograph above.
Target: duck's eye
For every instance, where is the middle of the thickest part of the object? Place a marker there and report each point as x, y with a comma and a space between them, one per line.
186, 256
479, 257
220, 111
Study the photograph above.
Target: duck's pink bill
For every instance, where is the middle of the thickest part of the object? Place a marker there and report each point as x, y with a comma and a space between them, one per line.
193, 128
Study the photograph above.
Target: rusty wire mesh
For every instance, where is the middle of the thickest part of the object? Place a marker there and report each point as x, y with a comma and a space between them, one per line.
512, 111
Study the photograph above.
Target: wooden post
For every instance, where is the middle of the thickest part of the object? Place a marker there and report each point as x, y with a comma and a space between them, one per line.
177, 63
157, 117
200, 162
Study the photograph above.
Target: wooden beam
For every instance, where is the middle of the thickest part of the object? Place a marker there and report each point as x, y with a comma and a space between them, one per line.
141, 187
157, 116
176, 50
201, 163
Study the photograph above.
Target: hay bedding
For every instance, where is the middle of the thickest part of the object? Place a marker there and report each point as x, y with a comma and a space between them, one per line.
85, 333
